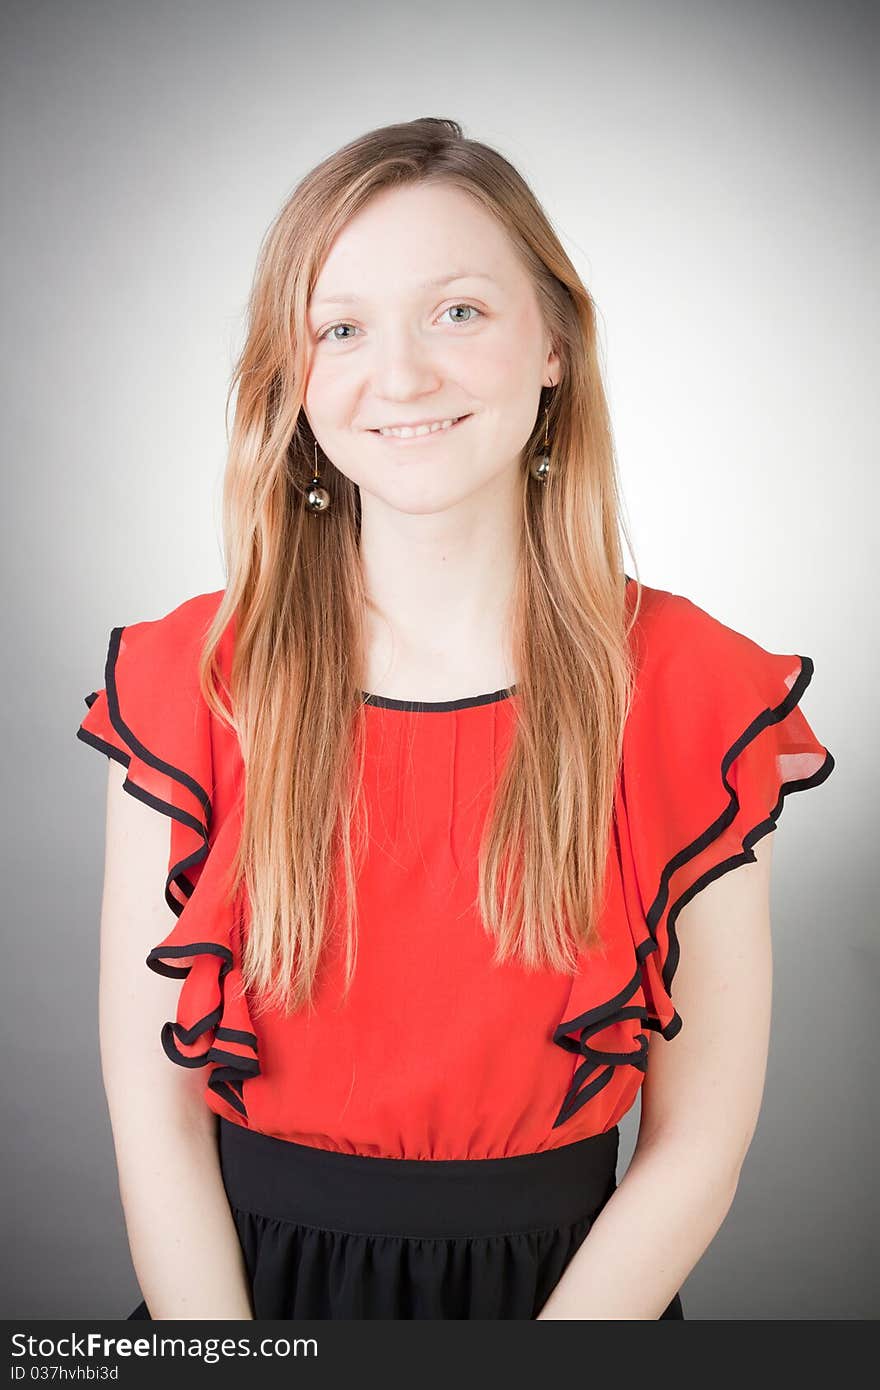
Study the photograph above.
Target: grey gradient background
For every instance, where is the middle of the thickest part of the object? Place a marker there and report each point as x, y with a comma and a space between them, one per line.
709, 169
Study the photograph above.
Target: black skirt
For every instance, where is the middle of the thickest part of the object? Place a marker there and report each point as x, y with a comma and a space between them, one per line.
334, 1235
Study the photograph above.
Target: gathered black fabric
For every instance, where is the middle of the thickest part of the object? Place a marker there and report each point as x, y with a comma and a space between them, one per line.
335, 1235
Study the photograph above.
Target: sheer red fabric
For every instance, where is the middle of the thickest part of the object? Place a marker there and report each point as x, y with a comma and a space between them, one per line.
438, 1052
181, 760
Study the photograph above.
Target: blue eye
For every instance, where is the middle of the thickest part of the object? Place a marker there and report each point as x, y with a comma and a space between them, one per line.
463, 306
332, 329
326, 335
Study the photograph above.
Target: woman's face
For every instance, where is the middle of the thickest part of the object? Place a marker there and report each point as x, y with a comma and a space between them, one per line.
386, 348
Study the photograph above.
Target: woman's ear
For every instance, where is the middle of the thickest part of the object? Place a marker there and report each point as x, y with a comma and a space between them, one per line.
553, 368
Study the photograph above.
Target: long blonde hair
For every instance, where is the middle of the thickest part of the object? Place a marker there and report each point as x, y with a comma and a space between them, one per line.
295, 591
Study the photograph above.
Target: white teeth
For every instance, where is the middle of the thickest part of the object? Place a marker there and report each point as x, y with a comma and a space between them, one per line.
407, 432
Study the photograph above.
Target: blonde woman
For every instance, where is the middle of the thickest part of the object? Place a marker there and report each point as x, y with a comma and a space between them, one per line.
451, 799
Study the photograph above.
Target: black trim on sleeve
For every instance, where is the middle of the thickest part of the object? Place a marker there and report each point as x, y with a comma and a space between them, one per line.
202, 827
226, 1080
616, 1010
586, 1025
762, 721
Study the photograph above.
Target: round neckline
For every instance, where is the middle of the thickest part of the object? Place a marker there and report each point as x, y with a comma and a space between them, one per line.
429, 706
467, 702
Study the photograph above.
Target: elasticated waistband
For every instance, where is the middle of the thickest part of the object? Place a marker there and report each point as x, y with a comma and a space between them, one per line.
294, 1182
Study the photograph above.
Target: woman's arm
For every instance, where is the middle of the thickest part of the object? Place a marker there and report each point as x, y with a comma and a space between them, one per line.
181, 1232
701, 1098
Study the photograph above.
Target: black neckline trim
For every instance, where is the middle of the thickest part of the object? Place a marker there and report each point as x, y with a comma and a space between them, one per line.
386, 702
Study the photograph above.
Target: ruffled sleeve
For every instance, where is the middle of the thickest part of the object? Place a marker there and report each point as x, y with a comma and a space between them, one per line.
715, 741
151, 716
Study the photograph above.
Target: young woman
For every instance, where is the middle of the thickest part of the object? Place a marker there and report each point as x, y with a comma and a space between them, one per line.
452, 800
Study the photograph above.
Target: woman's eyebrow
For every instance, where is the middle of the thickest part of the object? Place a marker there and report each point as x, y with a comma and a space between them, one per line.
432, 284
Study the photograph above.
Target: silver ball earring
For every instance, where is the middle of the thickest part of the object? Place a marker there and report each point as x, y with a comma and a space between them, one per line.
540, 466
317, 497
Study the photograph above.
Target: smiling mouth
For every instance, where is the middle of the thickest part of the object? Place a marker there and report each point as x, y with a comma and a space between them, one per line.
422, 435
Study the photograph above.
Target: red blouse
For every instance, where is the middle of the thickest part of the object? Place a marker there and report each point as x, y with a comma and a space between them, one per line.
438, 1053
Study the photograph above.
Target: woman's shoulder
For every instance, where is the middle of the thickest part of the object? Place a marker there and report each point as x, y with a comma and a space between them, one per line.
167, 646
664, 612
675, 637
705, 692
150, 705
189, 619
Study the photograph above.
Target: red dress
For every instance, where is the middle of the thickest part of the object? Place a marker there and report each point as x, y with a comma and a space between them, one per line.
437, 1053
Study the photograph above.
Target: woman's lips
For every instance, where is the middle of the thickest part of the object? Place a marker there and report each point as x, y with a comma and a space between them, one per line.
419, 438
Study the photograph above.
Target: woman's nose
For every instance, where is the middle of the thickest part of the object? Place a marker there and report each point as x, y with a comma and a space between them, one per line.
404, 366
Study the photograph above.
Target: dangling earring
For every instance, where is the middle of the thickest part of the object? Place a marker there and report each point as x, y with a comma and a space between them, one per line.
317, 498
540, 466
